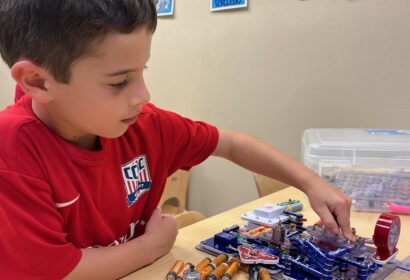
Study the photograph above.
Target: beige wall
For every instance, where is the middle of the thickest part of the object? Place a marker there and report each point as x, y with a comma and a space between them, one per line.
6, 86
275, 69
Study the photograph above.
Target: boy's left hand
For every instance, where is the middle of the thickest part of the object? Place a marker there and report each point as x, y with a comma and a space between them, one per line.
332, 206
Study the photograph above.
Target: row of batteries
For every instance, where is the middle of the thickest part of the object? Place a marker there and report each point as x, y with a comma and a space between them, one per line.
221, 267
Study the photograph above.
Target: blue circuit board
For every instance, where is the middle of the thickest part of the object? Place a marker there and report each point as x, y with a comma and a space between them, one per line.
309, 253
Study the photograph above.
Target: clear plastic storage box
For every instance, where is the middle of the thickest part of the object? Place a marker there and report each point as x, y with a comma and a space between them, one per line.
371, 165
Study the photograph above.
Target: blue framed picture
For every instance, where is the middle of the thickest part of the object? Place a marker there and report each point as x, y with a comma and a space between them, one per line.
219, 5
165, 7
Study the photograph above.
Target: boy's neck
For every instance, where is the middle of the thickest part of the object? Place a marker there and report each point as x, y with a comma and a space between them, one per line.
86, 141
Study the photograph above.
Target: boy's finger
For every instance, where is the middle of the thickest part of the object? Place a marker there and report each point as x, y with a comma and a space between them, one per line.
156, 212
343, 220
167, 215
327, 219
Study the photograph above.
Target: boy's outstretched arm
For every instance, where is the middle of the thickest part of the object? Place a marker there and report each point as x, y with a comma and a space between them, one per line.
116, 261
326, 200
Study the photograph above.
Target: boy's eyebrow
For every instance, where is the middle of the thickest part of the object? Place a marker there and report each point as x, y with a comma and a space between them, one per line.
124, 71
121, 72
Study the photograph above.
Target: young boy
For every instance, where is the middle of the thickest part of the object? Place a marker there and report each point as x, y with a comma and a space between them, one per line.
84, 157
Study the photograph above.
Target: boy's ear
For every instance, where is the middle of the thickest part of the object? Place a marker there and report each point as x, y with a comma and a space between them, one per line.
33, 79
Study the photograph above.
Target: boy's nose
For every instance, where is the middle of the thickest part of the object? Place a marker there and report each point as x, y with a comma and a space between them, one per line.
140, 95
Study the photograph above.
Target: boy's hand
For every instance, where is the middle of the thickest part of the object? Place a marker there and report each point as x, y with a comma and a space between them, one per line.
162, 231
332, 206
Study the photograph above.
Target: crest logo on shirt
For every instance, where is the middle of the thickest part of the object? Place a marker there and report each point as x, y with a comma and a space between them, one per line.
137, 179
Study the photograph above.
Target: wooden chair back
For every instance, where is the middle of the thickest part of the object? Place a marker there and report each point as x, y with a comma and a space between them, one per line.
266, 185
188, 218
173, 200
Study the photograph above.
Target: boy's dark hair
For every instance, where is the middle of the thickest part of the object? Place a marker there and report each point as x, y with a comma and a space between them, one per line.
54, 33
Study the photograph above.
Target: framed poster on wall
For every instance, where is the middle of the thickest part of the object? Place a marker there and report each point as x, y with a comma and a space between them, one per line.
219, 5
165, 7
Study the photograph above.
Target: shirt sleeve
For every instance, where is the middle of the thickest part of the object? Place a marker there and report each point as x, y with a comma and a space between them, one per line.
33, 244
186, 142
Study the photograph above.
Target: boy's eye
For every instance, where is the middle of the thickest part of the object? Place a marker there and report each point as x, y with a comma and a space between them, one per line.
120, 85
145, 66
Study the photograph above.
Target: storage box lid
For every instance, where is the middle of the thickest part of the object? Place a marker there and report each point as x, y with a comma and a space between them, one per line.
355, 147
372, 166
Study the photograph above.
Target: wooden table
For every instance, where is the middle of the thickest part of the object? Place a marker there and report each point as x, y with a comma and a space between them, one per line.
189, 237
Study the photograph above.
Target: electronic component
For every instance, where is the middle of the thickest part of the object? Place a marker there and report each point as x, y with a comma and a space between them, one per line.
293, 251
257, 255
192, 274
386, 235
267, 215
292, 205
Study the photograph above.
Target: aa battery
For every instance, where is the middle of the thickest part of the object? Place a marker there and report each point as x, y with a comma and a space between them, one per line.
202, 264
212, 266
173, 273
180, 274
231, 271
219, 259
218, 272
233, 259
264, 274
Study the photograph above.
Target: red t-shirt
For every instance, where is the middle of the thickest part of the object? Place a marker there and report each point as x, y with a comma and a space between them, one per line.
56, 198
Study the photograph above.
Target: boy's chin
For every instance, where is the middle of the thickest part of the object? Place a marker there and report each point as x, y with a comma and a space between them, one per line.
115, 134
